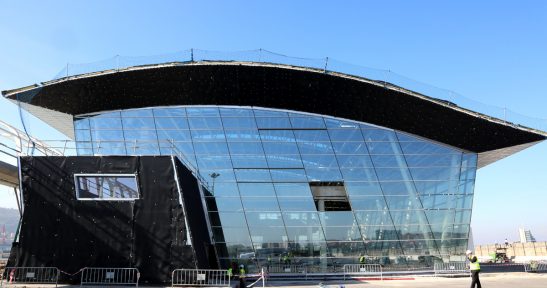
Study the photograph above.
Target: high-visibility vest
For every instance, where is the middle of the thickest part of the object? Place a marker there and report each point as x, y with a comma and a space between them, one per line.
474, 266
230, 272
241, 271
362, 259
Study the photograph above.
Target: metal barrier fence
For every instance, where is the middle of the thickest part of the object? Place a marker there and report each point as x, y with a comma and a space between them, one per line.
450, 268
200, 277
110, 276
30, 275
363, 270
535, 267
288, 268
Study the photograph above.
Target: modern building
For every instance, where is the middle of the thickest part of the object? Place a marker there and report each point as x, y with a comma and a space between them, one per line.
295, 164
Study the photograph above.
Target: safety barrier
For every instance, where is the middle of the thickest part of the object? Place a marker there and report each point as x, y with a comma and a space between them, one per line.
363, 270
288, 268
535, 267
200, 277
110, 276
30, 275
450, 268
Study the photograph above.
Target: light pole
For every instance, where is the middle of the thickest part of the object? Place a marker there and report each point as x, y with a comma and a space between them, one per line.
213, 175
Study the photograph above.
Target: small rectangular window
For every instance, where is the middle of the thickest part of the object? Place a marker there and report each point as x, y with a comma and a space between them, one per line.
106, 187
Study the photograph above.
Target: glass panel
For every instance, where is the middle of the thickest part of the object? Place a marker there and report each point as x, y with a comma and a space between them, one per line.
174, 135
363, 188
202, 112
141, 135
297, 204
315, 148
260, 204
311, 135
342, 233
334, 123
137, 113
169, 112
307, 122
81, 124
272, 123
345, 135
224, 204
83, 136
358, 174
264, 219
309, 233
231, 234
171, 123
379, 148
211, 148
260, 235
372, 135
284, 161
223, 189
253, 175
301, 219
236, 112
349, 147
393, 174
368, 203
239, 123
234, 250
402, 202
346, 249
214, 162
423, 147
433, 160
105, 123
315, 161
437, 201
338, 218
373, 218
353, 161
138, 123
379, 233
280, 148
435, 173
398, 188
277, 135
205, 123
292, 189
269, 113
253, 161
246, 148
227, 219
323, 174
288, 175
463, 216
100, 135
208, 135
256, 189
242, 135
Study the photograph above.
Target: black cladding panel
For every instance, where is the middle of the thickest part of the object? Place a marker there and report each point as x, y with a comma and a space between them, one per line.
58, 230
280, 87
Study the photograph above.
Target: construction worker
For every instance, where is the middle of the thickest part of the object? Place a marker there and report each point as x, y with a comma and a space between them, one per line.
230, 273
475, 268
241, 270
362, 259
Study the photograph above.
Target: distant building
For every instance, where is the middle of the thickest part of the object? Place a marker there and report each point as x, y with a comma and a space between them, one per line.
526, 236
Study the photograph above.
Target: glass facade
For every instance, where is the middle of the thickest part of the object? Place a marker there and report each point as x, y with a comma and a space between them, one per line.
308, 188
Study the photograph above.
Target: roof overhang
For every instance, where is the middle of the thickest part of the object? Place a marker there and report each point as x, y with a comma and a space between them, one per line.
275, 86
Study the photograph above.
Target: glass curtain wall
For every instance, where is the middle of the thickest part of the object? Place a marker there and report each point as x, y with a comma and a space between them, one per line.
288, 187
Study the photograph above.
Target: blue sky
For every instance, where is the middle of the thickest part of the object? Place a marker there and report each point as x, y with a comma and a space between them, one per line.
492, 52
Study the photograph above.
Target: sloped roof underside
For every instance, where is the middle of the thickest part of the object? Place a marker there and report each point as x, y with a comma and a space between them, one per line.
277, 86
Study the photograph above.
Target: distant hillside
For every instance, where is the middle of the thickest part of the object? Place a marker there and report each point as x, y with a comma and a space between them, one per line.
10, 218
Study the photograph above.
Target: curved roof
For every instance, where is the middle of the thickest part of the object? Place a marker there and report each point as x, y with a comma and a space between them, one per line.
275, 86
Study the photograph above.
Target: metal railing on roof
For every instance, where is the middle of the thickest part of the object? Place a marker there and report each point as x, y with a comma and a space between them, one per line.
387, 78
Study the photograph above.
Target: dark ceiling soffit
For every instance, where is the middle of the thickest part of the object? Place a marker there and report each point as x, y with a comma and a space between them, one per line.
280, 87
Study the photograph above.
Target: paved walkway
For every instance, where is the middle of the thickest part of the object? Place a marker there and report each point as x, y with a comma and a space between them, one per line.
491, 280
509, 280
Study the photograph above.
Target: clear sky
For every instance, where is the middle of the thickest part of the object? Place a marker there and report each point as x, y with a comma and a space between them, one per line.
493, 52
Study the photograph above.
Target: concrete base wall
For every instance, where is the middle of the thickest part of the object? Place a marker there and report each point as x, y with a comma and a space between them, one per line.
514, 250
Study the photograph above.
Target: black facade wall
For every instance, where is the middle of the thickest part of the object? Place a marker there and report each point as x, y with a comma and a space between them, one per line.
281, 88
60, 231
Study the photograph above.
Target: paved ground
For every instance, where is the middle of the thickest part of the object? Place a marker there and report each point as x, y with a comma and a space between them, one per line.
509, 280
500, 280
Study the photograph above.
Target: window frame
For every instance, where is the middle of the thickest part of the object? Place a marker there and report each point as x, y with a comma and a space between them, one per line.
77, 186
